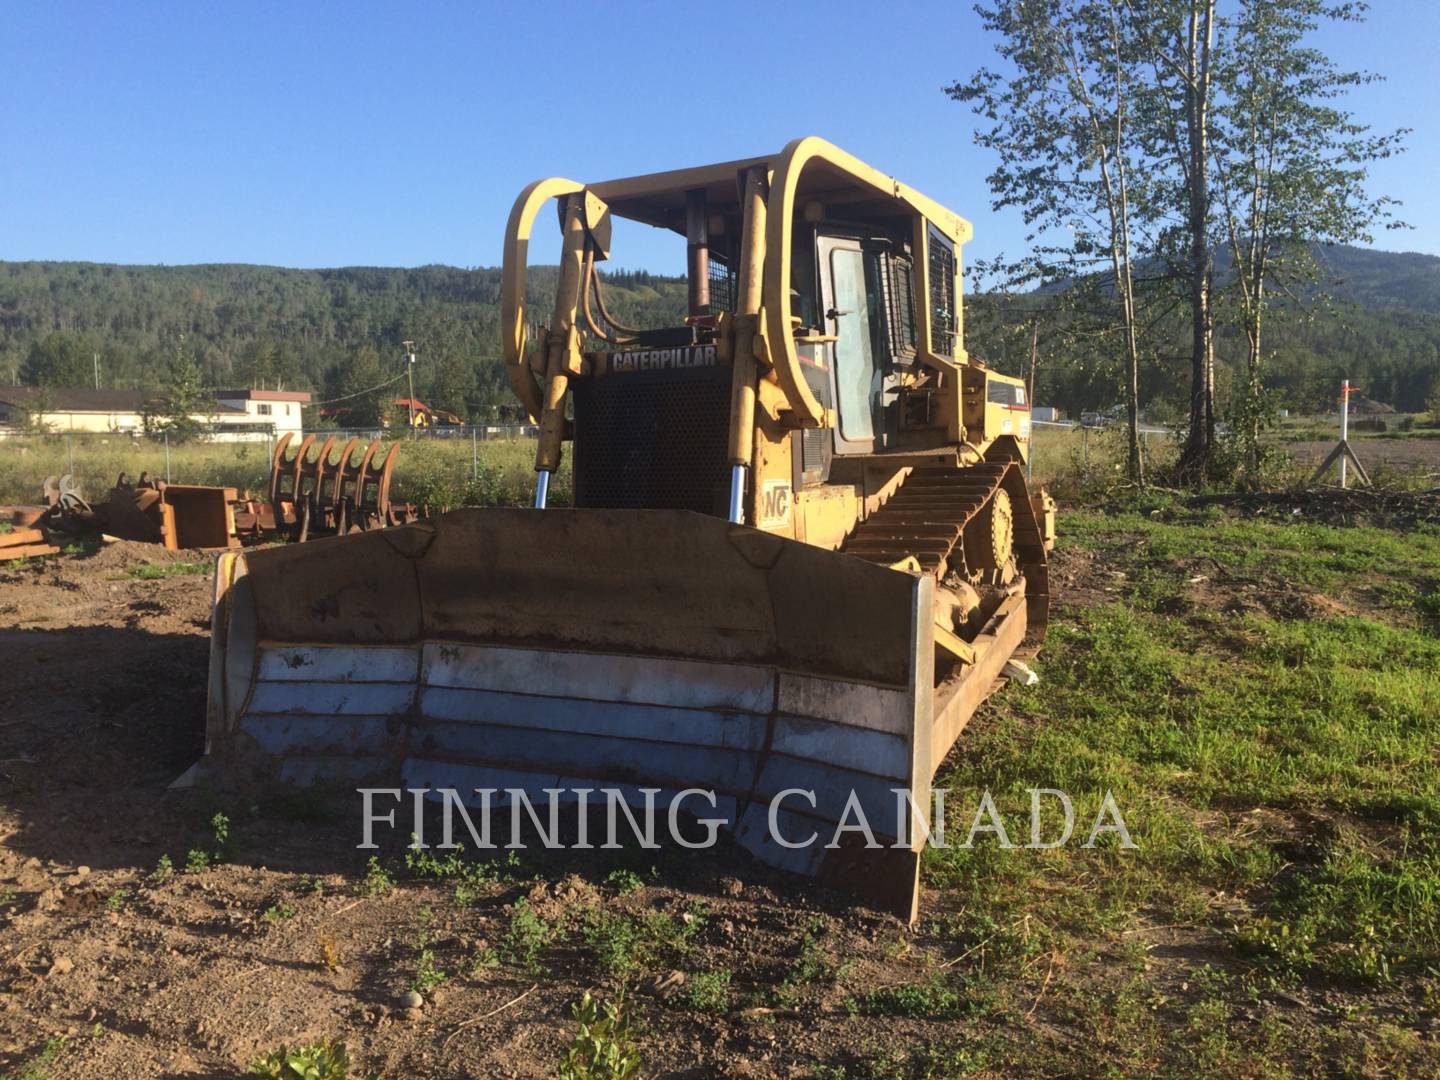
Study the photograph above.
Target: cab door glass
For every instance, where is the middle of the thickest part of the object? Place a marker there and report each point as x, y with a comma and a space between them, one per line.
857, 376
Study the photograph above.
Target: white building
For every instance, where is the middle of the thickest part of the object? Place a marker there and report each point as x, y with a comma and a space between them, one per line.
235, 414
278, 407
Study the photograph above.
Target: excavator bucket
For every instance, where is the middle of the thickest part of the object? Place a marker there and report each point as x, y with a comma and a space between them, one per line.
591, 649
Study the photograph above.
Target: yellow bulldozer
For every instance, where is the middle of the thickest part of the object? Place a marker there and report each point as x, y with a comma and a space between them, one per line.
801, 551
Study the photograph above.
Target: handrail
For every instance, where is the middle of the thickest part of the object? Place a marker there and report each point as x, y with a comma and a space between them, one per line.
512, 286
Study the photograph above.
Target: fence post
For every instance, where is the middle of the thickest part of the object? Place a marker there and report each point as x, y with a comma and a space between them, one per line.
1344, 426
70, 452
1085, 445
474, 455
167, 457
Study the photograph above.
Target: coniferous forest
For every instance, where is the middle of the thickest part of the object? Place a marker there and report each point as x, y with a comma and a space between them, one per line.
1374, 320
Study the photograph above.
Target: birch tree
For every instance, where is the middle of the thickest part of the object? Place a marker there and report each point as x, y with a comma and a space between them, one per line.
1176, 53
1290, 171
1060, 126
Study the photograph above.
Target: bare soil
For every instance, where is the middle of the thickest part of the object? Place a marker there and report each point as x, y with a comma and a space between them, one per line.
1393, 453
102, 697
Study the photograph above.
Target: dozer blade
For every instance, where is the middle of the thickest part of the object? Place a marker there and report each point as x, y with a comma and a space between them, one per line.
578, 649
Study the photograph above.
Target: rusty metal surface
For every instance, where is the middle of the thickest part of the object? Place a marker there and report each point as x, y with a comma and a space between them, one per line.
22, 517
315, 492
203, 516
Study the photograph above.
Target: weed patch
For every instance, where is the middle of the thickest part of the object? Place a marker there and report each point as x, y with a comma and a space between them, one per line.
604, 1045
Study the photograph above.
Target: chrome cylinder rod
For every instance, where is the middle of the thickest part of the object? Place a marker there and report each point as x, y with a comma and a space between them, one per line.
737, 494
542, 488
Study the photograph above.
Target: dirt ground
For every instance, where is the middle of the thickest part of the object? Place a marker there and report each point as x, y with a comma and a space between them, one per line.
1393, 453
102, 702
193, 973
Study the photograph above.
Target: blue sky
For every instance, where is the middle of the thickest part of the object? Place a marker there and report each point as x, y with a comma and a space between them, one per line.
327, 134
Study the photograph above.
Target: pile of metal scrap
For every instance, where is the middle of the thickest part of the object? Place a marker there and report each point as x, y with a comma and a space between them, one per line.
324, 495
151, 511
310, 495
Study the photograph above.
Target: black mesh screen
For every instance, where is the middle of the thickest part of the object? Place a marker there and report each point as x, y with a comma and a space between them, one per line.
654, 440
942, 295
722, 285
896, 279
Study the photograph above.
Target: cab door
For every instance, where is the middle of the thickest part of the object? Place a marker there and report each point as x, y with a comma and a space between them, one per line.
851, 315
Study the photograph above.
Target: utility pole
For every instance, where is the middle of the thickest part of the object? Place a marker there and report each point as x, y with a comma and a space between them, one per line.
410, 371
97, 369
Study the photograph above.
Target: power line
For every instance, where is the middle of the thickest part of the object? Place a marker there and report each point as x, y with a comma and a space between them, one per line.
362, 393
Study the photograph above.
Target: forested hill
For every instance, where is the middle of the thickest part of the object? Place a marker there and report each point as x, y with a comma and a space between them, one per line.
338, 332
331, 331
1371, 316
1386, 279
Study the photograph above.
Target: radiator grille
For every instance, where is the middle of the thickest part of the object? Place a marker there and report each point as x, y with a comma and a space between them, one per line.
653, 440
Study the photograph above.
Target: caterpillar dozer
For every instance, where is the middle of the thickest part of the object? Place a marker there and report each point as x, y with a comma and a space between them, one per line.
801, 550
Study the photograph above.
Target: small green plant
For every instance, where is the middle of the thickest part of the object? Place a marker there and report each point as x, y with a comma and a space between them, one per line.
198, 859
483, 960
116, 900
220, 826
709, 991
616, 942
279, 912
453, 866
377, 880
428, 974
921, 1001
623, 946
1288, 946
163, 869
811, 965
426, 864
604, 1044
326, 1060
465, 894
524, 938
38, 1067
8, 896
625, 881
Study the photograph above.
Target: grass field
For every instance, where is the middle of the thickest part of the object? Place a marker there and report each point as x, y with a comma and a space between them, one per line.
1262, 700
447, 472
452, 472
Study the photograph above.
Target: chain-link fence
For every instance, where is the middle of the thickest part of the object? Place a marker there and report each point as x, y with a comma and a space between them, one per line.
1068, 451
446, 465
